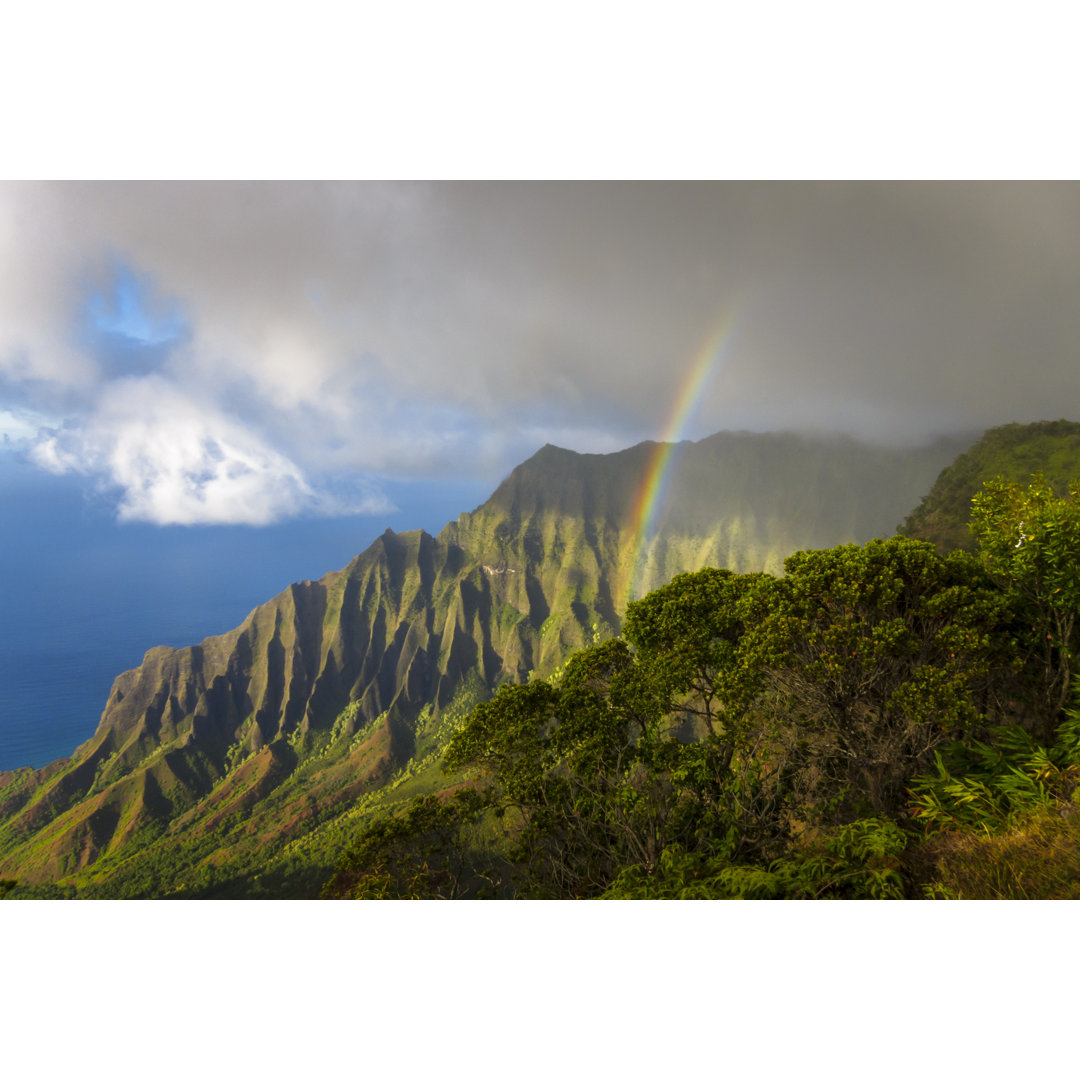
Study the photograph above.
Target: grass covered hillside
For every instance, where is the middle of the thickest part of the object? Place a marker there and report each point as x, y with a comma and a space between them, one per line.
1013, 451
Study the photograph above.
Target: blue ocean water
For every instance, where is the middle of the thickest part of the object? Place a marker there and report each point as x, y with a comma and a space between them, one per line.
83, 596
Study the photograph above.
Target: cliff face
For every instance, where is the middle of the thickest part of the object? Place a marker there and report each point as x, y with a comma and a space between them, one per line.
334, 694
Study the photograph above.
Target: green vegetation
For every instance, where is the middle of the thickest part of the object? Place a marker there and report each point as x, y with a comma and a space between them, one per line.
877, 724
732, 732
1030, 541
1013, 452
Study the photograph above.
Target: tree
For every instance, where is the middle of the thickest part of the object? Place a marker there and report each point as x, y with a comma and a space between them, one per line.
423, 854
646, 743
687, 636
572, 771
877, 655
1029, 540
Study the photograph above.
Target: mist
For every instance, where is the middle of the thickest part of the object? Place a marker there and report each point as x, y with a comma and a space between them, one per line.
247, 352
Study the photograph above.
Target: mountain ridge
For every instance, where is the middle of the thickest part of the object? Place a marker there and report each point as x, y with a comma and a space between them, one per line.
328, 691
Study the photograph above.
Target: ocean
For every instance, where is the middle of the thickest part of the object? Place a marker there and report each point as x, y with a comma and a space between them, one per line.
84, 596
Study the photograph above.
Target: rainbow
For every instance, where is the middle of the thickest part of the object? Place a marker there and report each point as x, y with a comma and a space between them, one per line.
650, 496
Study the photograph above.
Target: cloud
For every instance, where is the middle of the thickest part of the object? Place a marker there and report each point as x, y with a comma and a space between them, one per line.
397, 330
176, 461
20, 427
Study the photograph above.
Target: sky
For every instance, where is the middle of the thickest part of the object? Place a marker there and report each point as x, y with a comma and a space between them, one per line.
246, 352
212, 353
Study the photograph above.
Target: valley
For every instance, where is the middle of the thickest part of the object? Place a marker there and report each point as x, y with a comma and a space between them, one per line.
244, 765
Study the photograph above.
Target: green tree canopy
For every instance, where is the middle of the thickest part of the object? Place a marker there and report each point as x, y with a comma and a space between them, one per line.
644, 743
878, 654
1029, 540
758, 736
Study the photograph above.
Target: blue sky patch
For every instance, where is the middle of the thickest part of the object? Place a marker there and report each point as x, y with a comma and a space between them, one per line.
129, 326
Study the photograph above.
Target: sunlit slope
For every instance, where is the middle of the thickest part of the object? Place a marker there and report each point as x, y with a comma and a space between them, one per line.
334, 697
1014, 451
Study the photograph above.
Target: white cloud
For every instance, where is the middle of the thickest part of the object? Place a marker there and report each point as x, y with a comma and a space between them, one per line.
179, 461
19, 427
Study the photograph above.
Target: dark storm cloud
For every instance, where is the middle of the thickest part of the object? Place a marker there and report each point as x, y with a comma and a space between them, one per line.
396, 328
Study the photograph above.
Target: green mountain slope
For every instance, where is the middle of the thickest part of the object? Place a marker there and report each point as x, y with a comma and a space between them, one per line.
1014, 451
240, 766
